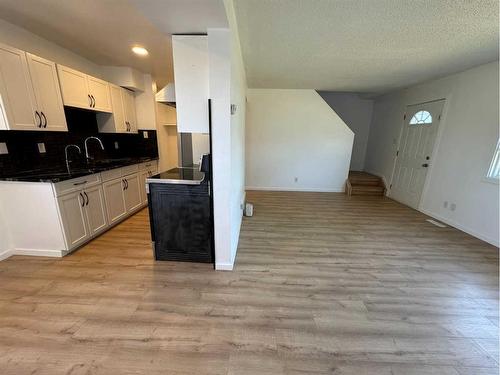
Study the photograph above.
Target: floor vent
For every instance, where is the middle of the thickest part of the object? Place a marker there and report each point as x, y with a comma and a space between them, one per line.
436, 223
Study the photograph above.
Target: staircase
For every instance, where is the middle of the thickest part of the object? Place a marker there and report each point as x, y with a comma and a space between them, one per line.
362, 183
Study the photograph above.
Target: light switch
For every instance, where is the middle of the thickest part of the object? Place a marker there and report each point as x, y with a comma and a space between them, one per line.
145, 135
3, 148
117, 146
41, 148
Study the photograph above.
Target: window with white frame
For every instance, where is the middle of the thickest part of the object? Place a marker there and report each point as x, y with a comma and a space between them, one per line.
494, 171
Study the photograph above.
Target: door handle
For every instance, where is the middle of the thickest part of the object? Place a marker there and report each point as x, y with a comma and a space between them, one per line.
83, 200
39, 125
93, 100
44, 119
126, 184
90, 101
123, 182
425, 165
86, 204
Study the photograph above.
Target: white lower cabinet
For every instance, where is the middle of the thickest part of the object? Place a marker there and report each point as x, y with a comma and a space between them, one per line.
150, 170
95, 210
115, 199
83, 214
72, 210
132, 192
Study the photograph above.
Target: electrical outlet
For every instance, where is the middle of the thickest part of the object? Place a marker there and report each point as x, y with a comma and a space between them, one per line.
453, 206
41, 148
145, 134
117, 146
445, 204
3, 148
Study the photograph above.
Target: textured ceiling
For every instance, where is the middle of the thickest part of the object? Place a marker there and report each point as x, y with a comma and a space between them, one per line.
103, 31
367, 46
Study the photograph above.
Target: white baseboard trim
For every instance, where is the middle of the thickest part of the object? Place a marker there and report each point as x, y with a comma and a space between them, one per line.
39, 252
5, 254
492, 241
224, 266
32, 252
310, 190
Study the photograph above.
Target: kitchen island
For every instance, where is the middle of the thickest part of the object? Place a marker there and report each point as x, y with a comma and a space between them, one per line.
180, 209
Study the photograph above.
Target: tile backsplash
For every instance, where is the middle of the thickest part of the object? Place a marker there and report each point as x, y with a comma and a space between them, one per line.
24, 146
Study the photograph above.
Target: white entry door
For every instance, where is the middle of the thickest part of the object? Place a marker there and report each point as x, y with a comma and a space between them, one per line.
415, 151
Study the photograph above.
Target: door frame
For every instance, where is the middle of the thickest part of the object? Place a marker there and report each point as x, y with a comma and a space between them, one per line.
435, 149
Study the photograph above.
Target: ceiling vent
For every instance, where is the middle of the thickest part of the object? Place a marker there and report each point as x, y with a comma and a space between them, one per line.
166, 95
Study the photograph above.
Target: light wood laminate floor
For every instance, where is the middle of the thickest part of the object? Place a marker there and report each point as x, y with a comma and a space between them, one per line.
323, 284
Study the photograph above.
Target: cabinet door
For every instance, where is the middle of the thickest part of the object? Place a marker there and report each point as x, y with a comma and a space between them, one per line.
95, 210
74, 88
115, 199
99, 90
118, 109
47, 93
16, 90
142, 185
129, 109
190, 53
71, 207
133, 198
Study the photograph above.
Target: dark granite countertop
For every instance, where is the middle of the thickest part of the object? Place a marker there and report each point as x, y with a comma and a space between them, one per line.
189, 176
58, 174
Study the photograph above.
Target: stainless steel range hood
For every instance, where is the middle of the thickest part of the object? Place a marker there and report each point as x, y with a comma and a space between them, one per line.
166, 95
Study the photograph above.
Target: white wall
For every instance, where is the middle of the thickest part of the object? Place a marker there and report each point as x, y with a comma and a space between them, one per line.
23, 39
356, 112
5, 240
200, 144
238, 97
145, 104
295, 134
227, 84
467, 138
219, 85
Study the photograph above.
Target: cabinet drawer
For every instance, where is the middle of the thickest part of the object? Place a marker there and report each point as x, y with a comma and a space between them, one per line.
75, 184
149, 165
111, 174
129, 169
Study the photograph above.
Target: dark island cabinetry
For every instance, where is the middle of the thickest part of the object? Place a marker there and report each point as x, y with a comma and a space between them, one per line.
181, 221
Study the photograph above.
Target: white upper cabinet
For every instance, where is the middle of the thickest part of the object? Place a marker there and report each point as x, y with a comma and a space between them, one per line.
190, 54
83, 91
47, 93
123, 118
128, 98
74, 87
99, 93
16, 91
29, 89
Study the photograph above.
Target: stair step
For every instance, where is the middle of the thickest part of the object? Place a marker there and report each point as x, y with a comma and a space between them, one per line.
363, 178
367, 190
362, 183
367, 182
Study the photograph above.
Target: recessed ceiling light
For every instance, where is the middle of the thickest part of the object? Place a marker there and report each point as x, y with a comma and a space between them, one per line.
141, 51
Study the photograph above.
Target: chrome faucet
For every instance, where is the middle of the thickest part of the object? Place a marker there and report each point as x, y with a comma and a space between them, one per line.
66, 154
86, 146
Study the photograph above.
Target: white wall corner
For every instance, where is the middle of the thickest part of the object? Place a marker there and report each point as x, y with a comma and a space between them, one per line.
454, 224
5, 254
